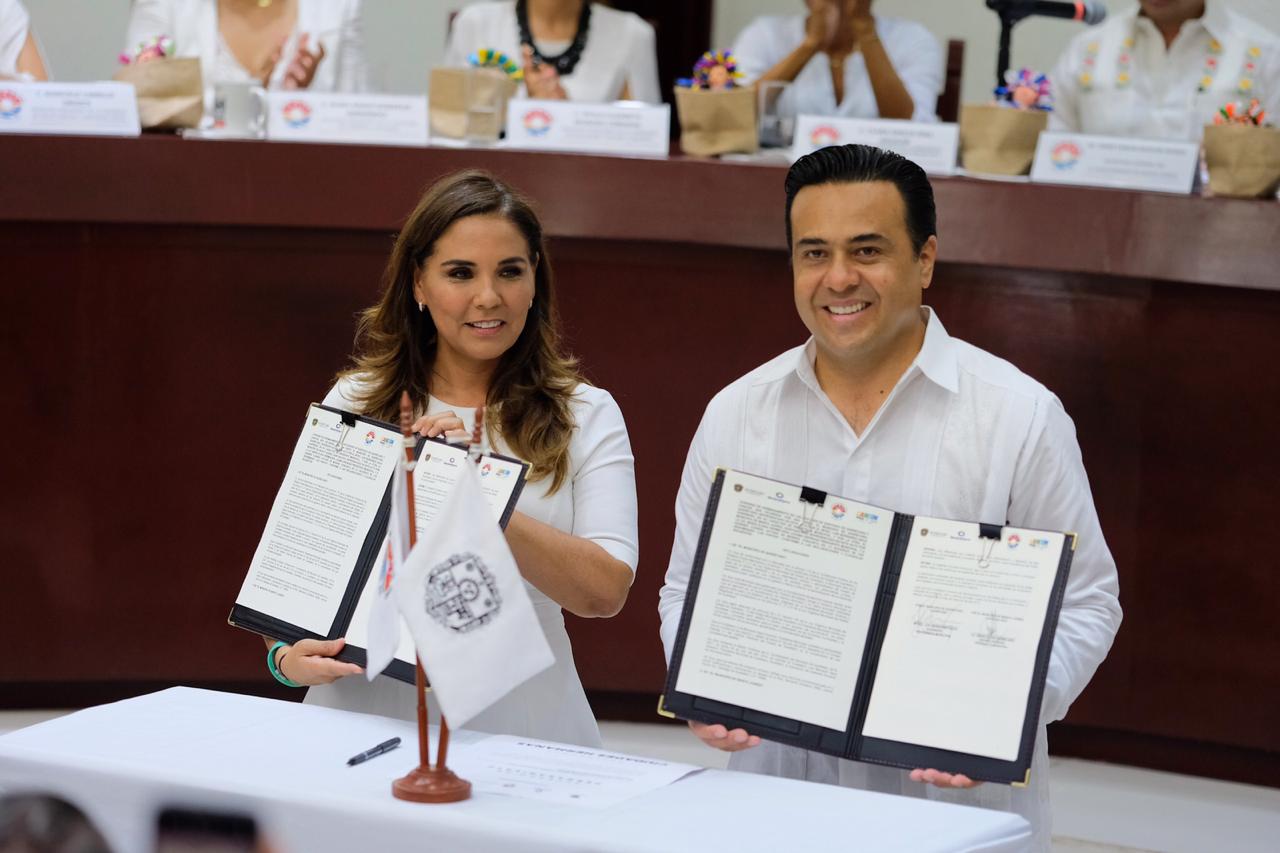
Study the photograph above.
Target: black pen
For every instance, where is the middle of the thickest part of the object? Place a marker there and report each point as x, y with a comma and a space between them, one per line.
385, 746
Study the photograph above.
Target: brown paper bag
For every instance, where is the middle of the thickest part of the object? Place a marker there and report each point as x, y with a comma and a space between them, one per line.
717, 122
1244, 161
479, 96
999, 140
170, 91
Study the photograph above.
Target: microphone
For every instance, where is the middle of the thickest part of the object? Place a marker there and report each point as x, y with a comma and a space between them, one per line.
1088, 11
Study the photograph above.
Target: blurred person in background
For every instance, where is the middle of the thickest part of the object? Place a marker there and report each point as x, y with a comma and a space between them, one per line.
570, 49
281, 44
1163, 70
19, 52
842, 61
44, 823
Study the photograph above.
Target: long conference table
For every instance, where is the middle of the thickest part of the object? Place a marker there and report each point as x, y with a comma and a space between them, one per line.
170, 307
283, 764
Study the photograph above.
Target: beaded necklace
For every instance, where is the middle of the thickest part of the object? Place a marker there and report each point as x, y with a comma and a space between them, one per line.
567, 61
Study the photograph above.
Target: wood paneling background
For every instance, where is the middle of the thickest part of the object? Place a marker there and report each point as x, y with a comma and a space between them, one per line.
169, 308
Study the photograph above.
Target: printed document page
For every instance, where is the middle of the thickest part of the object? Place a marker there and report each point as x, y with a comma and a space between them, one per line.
784, 602
559, 772
321, 515
960, 650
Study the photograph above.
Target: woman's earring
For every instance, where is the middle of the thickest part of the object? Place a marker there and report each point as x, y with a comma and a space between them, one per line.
422, 307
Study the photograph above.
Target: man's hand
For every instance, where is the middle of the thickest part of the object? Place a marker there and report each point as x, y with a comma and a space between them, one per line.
716, 735
943, 780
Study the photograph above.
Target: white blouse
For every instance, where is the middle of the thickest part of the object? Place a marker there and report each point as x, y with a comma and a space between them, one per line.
914, 52
193, 26
1119, 79
620, 50
962, 435
15, 23
596, 502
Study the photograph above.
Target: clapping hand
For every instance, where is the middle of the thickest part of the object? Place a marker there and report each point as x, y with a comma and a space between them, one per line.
541, 79
302, 68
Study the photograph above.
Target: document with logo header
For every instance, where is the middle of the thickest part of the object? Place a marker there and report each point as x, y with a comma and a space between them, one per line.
837, 626
312, 573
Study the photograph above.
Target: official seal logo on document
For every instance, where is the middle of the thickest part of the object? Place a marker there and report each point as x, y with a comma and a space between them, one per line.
10, 103
297, 113
537, 122
462, 594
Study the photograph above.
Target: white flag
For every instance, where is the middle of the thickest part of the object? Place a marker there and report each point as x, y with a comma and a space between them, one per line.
384, 618
466, 606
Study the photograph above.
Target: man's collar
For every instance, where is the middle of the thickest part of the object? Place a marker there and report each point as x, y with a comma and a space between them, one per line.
1215, 19
936, 359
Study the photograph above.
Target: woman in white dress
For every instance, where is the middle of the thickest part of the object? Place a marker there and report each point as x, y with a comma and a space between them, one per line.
570, 49
468, 319
281, 44
843, 61
19, 51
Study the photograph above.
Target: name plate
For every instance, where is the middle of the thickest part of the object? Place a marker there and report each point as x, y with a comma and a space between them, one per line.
89, 109
1115, 161
622, 128
932, 146
333, 117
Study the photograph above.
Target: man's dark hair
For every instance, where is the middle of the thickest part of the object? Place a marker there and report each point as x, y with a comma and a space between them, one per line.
855, 164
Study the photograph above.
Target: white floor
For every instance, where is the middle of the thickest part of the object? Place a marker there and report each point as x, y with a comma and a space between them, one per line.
1097, 808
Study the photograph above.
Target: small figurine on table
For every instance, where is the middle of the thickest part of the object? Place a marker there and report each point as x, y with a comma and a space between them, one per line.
1237, 113
158, 47
489, 58
714, 71
1025, 90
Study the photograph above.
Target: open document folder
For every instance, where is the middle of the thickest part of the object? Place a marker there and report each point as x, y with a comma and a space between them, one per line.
832, 625
311, 574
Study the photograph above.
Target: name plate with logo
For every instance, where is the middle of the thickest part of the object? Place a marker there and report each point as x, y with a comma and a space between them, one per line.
89, 109
932, 146
334, 117
620, 128
1156, 165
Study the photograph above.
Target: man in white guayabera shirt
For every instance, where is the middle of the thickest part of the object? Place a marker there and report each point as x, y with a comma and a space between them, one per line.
881, 405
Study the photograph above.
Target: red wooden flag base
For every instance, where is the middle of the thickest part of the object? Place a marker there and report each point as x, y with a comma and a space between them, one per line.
431, 785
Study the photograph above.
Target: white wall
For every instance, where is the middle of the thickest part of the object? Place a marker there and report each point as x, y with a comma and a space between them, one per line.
1036, 41
404, 38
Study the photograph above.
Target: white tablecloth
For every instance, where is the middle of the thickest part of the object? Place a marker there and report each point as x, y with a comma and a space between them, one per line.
286, 764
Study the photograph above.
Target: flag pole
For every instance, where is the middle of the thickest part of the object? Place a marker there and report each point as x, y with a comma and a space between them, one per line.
426, 783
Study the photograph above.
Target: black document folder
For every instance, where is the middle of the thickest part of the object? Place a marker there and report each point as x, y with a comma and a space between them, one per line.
323, 541
820, 622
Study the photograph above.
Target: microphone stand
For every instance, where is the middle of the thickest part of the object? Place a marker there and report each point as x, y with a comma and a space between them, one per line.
1010, 12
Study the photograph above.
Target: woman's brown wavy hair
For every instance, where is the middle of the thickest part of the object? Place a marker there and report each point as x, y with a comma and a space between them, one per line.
395, 344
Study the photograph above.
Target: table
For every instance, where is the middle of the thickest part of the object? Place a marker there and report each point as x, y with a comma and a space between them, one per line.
284, 762
165, 302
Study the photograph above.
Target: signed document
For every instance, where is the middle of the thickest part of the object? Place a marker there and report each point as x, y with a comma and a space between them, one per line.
821, 622
312, 574
794, 588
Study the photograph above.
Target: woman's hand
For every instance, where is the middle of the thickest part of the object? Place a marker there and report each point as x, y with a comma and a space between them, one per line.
302, 69
311, 662
542, 80
447, 424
